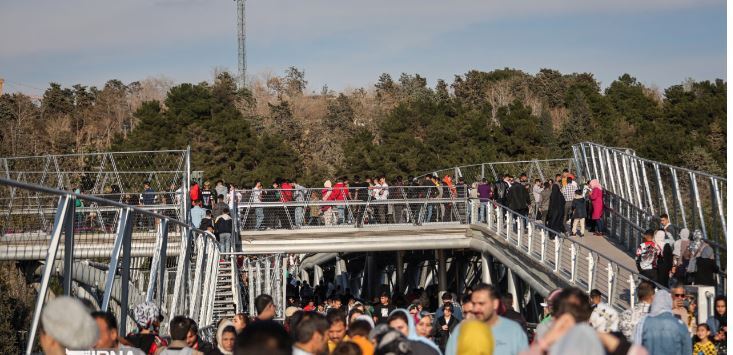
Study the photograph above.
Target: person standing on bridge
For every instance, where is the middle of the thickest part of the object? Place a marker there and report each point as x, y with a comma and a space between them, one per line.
556, 211
596, 199
664, 263
484, 194
257, 199
568, 191
544, 201
647, 255
667, 226
517, 199
197, 214
223, 225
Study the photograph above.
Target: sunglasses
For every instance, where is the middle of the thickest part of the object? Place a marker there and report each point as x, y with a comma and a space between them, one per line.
679, 295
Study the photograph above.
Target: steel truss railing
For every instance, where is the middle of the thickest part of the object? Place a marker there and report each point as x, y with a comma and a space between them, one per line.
125, 279
645, 189
569, 259
263, 273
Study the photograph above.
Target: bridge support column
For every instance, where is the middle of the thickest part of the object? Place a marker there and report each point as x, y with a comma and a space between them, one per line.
400, 270
486, 268
512, 288
442, 273
369, 277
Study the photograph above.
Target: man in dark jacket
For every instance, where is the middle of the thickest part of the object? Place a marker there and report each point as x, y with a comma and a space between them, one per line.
223, 225
517, 199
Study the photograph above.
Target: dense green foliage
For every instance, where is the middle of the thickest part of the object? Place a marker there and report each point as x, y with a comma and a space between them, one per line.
275, 128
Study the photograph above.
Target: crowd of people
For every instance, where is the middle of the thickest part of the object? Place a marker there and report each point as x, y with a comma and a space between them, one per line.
483, 322
561, 203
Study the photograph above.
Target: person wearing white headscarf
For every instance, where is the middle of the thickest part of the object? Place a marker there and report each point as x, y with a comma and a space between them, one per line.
665, 261
660, 332
423, 345
702, 262
220, 337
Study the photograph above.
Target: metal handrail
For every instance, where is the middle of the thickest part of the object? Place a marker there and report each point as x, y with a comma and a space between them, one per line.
63, 224
503, 213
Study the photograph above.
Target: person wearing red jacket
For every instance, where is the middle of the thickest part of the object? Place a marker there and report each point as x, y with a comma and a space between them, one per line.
339, 194
195, 192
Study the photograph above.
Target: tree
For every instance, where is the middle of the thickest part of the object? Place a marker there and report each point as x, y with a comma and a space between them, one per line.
295, 82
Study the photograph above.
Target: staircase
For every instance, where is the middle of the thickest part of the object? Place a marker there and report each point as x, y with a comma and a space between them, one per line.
225, 293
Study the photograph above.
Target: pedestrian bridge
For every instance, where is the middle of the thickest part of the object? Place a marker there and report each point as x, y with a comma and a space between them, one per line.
412, 239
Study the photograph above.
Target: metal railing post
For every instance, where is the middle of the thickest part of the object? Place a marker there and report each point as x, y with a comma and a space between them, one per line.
632, 291
125, 276
122, 226
162, 263
543, 244
557, 253
611, 283
69, 245
200, 244
698, 205
591, 271
58, 225
181, 273
678, 195
573, 261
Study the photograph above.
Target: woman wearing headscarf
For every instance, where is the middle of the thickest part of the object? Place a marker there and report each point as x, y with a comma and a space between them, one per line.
420, 345
224, 342
704, 261
471, 337
596, 199
660, 332
664, 262
556, 212
680, 256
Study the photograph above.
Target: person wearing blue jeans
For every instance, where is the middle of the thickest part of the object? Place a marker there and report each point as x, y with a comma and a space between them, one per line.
259, 217
225, 242
223, 226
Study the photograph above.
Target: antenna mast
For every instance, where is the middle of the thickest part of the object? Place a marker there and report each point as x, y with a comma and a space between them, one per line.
241, 37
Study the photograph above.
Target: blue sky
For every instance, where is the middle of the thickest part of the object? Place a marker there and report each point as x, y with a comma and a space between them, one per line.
344, 43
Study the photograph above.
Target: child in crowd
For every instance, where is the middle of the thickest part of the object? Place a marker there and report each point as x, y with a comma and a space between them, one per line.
578, 211
703, 346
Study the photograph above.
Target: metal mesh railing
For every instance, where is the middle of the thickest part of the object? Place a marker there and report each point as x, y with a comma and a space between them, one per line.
138, 255
98, 173
544, 170
342, 207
